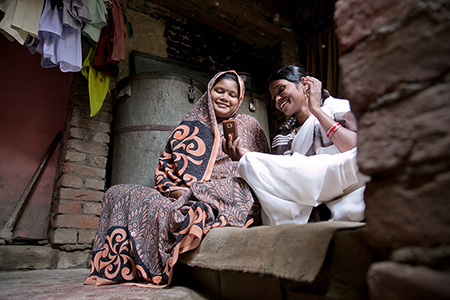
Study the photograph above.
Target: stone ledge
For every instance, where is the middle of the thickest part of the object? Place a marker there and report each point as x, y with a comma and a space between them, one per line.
269, 263
25, 257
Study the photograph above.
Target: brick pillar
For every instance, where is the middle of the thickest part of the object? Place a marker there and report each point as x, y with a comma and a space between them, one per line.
80, 181
395, 69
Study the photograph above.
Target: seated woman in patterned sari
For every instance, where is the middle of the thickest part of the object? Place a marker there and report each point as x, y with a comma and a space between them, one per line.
142, 230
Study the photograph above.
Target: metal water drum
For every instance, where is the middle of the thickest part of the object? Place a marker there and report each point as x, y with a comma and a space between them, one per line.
255, 106
150, 106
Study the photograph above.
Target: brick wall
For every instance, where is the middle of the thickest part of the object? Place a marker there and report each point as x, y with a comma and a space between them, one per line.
395, 69
80, 180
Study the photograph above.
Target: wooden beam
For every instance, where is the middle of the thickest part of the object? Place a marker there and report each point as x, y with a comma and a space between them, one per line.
230, 17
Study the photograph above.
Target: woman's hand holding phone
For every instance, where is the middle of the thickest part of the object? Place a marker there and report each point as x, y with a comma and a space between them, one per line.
231, 144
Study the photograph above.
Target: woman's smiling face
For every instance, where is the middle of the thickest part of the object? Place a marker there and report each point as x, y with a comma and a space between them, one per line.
225, 98
287, 95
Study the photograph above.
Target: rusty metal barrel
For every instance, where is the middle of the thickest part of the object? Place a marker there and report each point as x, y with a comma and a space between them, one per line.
150, 106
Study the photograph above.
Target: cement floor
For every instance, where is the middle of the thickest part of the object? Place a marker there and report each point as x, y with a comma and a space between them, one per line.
68, 284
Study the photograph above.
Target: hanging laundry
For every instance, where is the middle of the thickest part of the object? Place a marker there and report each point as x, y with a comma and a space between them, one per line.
28, 15
98, 83
75, 13
111, 46
31, 43
60, 34
21, 18
99, 16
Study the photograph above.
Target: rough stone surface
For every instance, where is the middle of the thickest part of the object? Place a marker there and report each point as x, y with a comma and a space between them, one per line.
435, 258
72, 259
393, 281
385, 61
63, 236
403, 213
68, 284
86, 236
24, 257
356, 19
395, 135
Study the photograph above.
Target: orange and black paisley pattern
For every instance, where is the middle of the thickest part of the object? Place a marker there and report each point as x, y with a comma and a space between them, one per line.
185, 156
141, 233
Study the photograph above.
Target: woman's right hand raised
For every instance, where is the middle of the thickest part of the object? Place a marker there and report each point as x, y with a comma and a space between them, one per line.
313, 92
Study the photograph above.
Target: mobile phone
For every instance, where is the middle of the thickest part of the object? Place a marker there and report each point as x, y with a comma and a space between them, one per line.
229, 127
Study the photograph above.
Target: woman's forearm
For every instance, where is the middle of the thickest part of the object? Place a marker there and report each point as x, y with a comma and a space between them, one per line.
343, 138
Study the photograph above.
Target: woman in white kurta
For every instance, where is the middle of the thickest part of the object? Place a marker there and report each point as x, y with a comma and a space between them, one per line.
315, 176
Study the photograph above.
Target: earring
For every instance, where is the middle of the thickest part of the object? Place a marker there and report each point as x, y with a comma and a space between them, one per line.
306, 93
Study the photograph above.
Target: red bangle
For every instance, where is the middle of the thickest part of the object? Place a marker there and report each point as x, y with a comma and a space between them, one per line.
333, 129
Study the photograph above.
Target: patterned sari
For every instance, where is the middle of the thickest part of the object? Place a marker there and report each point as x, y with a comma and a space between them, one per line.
141, 233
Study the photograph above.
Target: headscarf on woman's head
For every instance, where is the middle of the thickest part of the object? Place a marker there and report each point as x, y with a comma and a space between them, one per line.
191, 151
204, 105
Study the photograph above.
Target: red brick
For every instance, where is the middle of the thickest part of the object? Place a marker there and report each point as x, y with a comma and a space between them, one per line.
92, 208
97, 161
94, 184
86, 236
104, 115
107, 107
81, 112
84, 170
64, 236
101, 138
67, 180
80, 133
76, 221
74, 156
69, 207
85, 123
83, 195
87, 147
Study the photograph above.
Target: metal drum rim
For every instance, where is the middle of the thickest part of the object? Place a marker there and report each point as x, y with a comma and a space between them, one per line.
159, 75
